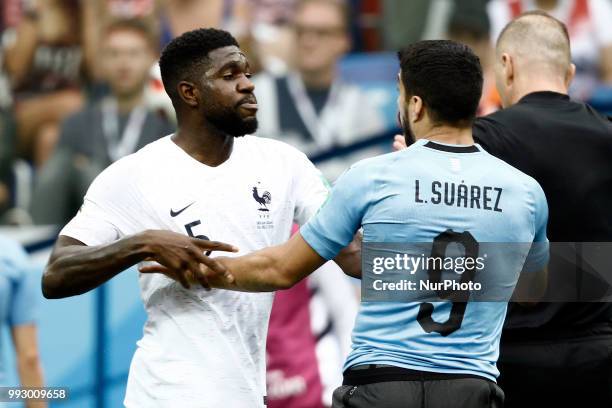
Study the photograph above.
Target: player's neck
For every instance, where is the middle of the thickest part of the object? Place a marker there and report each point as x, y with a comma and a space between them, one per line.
544, 85
450, 135
205, 144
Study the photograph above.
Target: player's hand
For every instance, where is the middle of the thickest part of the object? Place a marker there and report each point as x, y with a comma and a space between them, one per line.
349, 258
399, 143
182, 258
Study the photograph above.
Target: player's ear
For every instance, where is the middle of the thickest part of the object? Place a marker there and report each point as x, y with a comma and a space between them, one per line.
571, 72
188, 93
508, 68
416, 108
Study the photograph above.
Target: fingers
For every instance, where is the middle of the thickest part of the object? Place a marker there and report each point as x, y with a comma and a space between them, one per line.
227, 276
196, 271
215, 268
172, 274
399, 142
183, 280
213, 245
154, 268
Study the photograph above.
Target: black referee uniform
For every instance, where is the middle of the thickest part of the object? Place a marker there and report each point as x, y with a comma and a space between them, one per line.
558, 354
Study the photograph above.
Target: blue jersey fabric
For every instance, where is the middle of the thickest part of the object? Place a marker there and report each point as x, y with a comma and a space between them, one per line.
19, 288
502, 205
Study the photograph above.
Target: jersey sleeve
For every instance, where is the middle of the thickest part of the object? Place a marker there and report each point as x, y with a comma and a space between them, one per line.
104, 216
310, 189
334, 226
24, 300
538, 255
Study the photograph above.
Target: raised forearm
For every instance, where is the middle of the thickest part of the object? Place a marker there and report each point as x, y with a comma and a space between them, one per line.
76, 269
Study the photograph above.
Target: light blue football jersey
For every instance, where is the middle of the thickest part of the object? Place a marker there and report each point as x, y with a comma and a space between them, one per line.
414, 196
19, 289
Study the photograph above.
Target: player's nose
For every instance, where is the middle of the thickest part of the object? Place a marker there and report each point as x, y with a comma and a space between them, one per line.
245, 85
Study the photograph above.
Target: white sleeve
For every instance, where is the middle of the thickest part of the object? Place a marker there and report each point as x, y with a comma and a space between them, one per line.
601, 14
104, 216
310, 189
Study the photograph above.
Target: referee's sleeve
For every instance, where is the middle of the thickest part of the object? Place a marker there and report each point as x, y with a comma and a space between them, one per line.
334, 226
538, 255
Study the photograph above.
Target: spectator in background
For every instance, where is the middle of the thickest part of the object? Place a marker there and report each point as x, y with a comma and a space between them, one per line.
469, 24
180, 16
19, 291
46, 63
405, 22
104, 131
266, 25
590, 28
311, 107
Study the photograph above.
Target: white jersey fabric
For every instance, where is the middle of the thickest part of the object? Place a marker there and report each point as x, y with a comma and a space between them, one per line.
201, 349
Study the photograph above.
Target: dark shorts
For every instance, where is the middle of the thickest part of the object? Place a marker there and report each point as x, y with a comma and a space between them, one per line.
399, 388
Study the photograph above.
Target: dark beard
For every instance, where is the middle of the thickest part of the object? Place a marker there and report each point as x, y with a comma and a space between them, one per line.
408, 134
229, 122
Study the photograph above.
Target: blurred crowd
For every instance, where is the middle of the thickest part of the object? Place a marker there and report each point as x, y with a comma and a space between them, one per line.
80, 88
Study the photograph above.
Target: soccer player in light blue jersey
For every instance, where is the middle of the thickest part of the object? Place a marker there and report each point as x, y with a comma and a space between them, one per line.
442, 189
19, 297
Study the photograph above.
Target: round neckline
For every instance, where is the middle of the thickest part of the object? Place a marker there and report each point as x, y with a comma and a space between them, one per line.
449, 147
199, 164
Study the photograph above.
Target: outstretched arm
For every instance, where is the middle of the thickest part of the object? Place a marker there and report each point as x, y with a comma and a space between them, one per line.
270, 269
75, 268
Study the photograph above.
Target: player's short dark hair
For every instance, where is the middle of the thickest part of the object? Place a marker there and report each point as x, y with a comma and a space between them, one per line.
187, 53
136, 25
446, 75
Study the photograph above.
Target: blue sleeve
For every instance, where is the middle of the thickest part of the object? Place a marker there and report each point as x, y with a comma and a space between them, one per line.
334, 226
538, 255
26, 290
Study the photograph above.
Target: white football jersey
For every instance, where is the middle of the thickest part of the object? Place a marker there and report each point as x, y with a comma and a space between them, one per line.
201, 349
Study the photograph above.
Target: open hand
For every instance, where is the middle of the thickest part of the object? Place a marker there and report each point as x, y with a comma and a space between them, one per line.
182, 258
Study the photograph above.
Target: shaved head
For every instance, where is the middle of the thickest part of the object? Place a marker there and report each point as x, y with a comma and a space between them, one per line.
538, 40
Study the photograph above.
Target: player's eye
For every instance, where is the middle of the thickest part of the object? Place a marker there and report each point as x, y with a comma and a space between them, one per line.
248, 75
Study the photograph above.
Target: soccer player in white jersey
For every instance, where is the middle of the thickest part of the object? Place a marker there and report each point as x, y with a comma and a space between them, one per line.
200, 348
